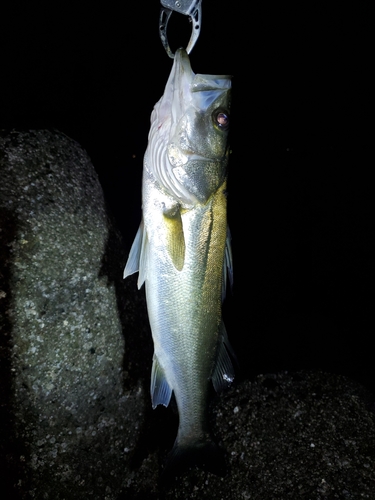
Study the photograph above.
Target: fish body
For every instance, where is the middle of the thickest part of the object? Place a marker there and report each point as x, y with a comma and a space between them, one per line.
182, 248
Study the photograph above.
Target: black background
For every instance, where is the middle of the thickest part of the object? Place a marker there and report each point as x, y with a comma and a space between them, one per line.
301, 189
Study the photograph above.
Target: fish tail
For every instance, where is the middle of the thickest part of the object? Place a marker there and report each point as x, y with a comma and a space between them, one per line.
204, 454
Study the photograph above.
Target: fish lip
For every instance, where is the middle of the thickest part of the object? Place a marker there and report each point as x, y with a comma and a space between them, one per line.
182, 79
177, 94
182, 74
182, 59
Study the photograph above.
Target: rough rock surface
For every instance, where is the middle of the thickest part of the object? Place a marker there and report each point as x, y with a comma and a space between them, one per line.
75, 352
302, 435
63, 328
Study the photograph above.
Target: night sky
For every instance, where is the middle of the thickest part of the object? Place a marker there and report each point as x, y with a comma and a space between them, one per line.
301, 189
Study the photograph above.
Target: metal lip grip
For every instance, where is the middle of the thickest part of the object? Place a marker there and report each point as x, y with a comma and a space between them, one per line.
191, 8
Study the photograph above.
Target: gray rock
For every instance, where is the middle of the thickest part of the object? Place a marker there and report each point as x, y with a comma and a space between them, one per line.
304, 435
75, 351
63, 328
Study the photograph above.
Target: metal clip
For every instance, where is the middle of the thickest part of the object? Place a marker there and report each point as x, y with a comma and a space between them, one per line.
191, 8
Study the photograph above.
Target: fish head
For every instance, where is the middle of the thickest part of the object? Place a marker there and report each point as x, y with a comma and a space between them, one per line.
188, 142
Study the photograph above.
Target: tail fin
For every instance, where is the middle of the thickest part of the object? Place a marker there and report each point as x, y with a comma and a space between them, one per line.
204, 454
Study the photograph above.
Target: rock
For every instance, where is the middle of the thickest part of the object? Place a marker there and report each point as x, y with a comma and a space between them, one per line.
300, 435
303, 435
72, 425
75, 351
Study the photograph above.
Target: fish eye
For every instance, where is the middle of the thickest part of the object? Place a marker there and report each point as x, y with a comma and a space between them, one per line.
221, 119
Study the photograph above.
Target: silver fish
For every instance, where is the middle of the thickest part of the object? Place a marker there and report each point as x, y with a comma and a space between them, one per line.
182, 249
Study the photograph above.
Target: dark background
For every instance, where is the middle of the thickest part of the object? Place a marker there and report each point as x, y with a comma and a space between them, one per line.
301, 188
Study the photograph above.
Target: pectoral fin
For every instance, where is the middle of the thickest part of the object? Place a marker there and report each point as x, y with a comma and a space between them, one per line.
137, 260
223, 374
161, 391
175, 239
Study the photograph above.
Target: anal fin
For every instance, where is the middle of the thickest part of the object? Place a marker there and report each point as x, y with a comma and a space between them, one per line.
161, 391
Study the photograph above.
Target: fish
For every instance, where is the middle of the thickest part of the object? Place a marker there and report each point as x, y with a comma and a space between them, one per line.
182, 252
